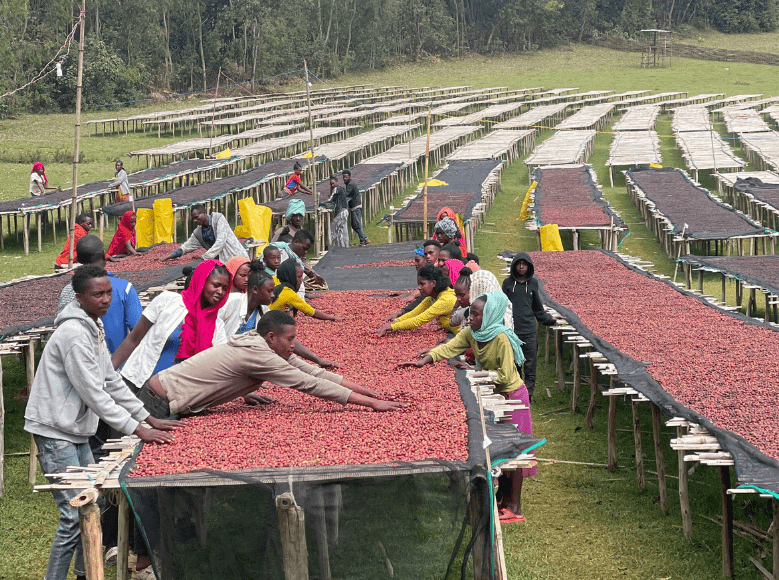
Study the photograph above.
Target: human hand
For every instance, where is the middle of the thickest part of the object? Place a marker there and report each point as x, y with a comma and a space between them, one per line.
409, 363
384, 406
255, 399
164, 424
328, 364
382, 330
422, 352
458, 364
152, 435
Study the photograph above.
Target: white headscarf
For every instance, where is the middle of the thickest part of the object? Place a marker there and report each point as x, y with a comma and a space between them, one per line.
484, 282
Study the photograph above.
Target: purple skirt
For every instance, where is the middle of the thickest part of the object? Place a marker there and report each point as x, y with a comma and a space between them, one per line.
521, 418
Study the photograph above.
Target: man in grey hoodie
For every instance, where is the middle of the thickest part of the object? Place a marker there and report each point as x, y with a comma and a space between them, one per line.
213, 232
75, 384
521, 287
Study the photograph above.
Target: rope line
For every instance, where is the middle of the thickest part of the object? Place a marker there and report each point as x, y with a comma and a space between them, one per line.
42, 74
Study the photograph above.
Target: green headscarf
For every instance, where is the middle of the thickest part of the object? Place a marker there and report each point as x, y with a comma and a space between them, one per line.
295, 207
492, 323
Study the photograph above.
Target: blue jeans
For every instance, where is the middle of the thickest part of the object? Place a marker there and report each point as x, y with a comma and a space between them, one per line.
54, 456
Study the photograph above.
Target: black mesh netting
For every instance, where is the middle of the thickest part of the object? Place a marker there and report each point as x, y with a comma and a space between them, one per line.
569, 197
52, 200
431, 518
753, 468
683, 202
363, 176
190, 195
765, 192
760, 271
463, 191
33, 303
331, 267
176, 169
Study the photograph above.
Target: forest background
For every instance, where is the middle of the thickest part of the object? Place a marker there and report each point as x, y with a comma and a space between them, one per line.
142, 48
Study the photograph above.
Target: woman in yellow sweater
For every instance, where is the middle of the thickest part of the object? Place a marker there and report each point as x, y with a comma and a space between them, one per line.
290, 275
498, 349
439, 301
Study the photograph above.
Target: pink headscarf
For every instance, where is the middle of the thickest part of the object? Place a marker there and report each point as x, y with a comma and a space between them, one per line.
454, 269
38, 165
197, 334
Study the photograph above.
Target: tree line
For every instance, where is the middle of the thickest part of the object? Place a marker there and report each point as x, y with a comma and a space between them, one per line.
137, 48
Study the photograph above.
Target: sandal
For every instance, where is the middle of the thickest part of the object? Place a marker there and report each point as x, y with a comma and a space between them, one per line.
508, 517
110, 556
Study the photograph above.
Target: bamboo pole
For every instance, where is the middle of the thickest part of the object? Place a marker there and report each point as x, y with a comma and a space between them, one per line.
317, 245
637, 442
427, 160
2, 433
659, 460
728, 570
612, 433
122, 539
29, 363
79, 81
684, 495
775, 506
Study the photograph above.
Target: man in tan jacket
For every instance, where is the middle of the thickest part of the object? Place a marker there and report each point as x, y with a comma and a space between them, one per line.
239, 367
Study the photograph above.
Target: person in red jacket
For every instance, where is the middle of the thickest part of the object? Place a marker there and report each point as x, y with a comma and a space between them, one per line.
84, 223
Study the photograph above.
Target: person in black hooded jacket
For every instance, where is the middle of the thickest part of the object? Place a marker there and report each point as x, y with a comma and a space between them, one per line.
521, 287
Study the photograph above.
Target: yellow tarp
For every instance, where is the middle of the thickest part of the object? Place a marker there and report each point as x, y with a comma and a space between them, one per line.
655, 166
550, 238
433, 183
255, 220
523, 215
163, 221
226, 154
144, 227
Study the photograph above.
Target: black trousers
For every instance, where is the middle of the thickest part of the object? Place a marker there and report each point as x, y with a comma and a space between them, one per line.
530, 350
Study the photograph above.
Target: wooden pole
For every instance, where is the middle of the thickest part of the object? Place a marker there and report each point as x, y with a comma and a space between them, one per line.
612, 433
637, 441
558, 356
317, 244
427, 160
659, 461
775, 506
29, 360
728, 570
213, 114
91, 533
577, 379
588, 420
2, 434
122, 538
292, 527
79, 81
684, 495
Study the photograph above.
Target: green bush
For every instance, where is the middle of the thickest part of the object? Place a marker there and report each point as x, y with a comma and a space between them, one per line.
106, 79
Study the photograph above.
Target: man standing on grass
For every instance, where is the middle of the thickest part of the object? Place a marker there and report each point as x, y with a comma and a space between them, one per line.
76, 385
355, 206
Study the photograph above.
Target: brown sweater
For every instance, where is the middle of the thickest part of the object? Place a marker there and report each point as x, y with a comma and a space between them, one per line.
228, 371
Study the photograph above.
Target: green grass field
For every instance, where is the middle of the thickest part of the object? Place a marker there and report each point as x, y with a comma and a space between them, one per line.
583, 522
